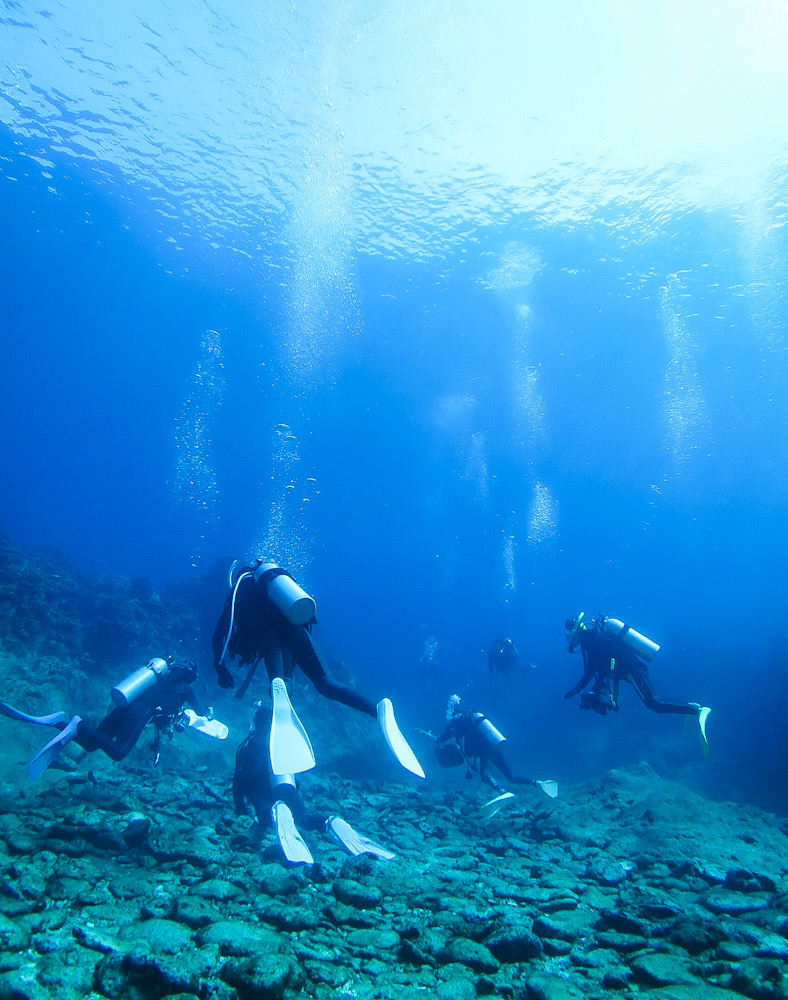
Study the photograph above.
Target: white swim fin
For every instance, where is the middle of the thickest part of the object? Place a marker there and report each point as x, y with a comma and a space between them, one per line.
494, 805
53, 749
211, 727
549, 787
702, 716
343, 834
290, 840
397, 743
289, 746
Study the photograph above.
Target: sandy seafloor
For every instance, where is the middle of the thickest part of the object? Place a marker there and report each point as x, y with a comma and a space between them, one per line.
133, 881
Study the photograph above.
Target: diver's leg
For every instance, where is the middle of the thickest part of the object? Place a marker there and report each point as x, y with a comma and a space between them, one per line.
641, 681
486, 775
118, 732
305, 654
497, 758
272, 654
307, 657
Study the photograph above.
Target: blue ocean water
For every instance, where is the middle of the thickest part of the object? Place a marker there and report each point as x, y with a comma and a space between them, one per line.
473, 320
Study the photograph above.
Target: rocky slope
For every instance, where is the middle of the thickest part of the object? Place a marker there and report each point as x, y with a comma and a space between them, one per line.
136, 881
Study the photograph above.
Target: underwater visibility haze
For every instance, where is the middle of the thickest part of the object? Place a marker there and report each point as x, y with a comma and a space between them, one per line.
470, 315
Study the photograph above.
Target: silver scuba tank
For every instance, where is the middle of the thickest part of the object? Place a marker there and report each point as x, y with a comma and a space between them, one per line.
285, 594
638, 643
491, 736
137, 683
281, 779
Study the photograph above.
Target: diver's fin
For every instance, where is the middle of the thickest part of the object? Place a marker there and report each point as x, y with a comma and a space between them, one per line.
290, 840
211, 727
53, 749
354, 843
549, 787
397, 743
38, 720
702, 716
491, 808
289, 746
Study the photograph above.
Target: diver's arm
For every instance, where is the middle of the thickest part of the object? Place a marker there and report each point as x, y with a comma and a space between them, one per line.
588, 674
447, 734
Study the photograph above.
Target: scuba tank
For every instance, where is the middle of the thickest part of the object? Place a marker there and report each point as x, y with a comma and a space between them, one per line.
491, 736
285, 594
638, 643
137, 683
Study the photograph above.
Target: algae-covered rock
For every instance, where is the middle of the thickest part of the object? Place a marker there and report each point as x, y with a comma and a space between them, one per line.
12, 937
553, 988
237, 938
162, 936
371, 942
264, 977
470, 953
290, 917
515, 944
353, 893
660, 969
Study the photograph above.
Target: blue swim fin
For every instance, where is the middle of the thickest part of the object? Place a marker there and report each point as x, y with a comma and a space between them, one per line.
289, 746
37, 720
53, 749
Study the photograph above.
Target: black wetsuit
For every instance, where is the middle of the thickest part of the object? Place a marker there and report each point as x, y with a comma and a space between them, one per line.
261, 632
119, 730
607, 662
252, 784
481, 745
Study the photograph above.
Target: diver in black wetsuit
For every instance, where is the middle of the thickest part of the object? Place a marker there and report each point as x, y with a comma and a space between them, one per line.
163, 704
267, 617
480, 744
275, 799
610, 655
503, 658
253, 783
155, 693
252, 628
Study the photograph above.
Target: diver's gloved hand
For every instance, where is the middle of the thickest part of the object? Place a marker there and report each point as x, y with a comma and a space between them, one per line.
224, 676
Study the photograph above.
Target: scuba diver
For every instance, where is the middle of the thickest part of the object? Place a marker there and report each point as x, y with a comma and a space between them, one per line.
275, 799
479, 745
613, 652
268, 617
503, 658
157, 692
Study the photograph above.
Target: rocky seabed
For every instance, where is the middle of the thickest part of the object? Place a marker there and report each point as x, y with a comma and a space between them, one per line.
142, 884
